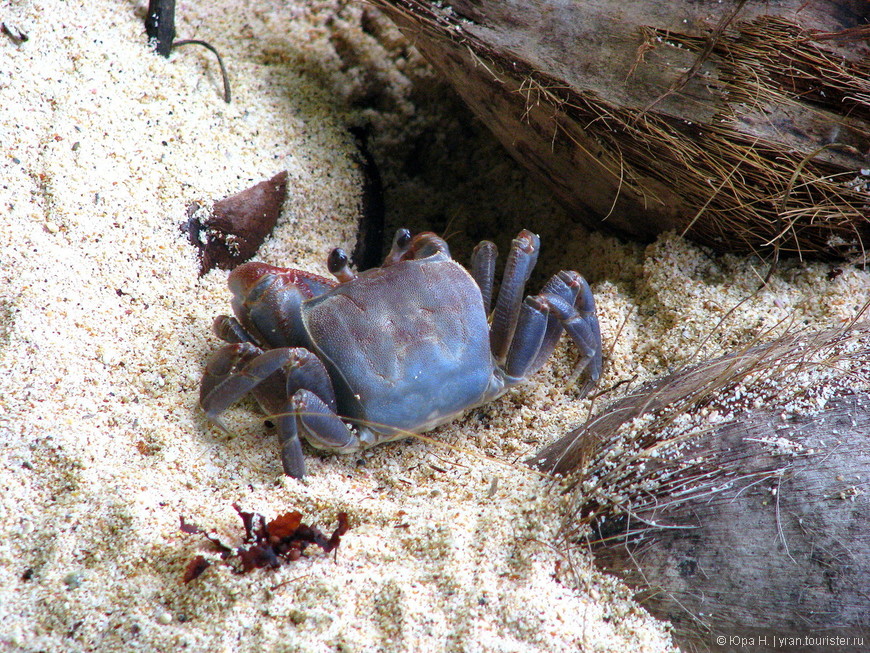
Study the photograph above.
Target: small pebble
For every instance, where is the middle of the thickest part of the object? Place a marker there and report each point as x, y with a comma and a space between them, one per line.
108, 355
51, 227
297, 616
164, 618
73, 579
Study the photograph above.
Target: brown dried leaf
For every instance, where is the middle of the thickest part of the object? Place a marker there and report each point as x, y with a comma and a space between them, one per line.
238, 224
258, 556
247, 521
343, 527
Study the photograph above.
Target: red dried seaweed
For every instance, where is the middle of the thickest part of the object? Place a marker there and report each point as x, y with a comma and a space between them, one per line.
284, 525
283, 539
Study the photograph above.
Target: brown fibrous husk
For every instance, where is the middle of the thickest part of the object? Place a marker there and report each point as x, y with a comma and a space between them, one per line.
750, 134
733, 495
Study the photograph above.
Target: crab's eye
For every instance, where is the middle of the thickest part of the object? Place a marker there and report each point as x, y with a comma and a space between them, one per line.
339, 266
403, 237
336, 261
428, 244
401, 243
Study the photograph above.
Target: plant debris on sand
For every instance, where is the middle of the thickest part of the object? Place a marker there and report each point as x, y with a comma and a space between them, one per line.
265, 544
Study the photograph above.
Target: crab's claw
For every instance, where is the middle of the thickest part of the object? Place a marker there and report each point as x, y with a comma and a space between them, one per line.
267, 300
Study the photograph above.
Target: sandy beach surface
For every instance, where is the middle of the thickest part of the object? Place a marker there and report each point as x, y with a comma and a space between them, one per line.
105, 327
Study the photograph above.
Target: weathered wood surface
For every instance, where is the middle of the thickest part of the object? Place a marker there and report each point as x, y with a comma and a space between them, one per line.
642, 117
783, 552
759, 527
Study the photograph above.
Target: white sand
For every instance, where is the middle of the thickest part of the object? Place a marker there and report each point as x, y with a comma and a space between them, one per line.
104, 328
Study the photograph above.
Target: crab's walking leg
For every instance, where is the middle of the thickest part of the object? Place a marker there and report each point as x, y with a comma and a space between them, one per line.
225, 381
581, 323
236, 369
534, 318
483, 270
572, 288
521, 259
323, 428
320, 425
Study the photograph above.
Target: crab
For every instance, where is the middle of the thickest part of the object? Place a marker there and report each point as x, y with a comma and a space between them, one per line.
396, 350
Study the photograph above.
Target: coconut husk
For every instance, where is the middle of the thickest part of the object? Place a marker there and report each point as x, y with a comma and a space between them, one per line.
744, 124
735, 495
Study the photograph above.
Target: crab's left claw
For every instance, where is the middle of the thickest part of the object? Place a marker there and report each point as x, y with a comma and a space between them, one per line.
581, 323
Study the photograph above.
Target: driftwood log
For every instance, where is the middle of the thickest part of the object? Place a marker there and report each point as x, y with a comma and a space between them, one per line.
735, 496
744, 123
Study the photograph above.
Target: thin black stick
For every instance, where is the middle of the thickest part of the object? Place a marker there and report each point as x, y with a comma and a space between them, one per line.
209, 46
368, 251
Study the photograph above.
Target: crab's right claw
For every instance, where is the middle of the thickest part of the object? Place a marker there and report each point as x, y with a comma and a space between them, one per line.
313, 418
266, 302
